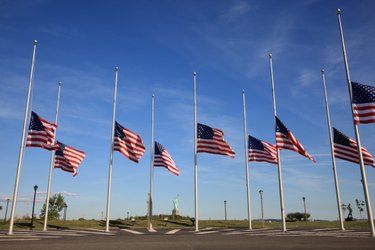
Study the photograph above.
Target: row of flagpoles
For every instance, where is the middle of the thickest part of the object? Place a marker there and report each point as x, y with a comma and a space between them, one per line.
131, 146
206, 140
42, 133
362, 99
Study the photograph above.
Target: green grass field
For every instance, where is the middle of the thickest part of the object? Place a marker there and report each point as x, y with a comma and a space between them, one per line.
160, 223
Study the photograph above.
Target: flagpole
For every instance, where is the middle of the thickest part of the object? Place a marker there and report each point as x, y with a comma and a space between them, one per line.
111, 153
195, 156
362, 166
333, 154
152, 151
22, 146
278, 150
246, 161
51, 163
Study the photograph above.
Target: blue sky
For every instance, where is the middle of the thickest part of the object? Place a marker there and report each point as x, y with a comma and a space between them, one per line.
157, 46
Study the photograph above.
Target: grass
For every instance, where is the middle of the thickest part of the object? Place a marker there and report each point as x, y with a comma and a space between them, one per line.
172, 224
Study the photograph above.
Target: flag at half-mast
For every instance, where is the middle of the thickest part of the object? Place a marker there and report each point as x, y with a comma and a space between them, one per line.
41, 133
163, 159
363, 103
128, 143
285, 139
346, 148
68, 158
211, 141
261, 151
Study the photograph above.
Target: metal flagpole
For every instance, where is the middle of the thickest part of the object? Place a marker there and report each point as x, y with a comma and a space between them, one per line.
22, 146
277, 149
246, 160
111, 153
333, 154
196, 222
51, 163
363, 171
152, 151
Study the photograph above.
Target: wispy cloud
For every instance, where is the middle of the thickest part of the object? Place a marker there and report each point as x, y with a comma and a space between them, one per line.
64, 193
239, 8
30, 197
302, 177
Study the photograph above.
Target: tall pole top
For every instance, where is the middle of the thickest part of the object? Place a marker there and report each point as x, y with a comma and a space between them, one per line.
35, 42
270, 55
153, 95
35, 187
322, 70
243, 91
195, 73
338, 11
116, 68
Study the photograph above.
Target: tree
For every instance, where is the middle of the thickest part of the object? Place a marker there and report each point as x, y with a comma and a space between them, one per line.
360, 205
56, 205
297, 216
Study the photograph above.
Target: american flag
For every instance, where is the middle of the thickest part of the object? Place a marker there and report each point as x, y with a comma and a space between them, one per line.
128, 143
363, 103
261, 151
211, 141
285, 139
163, 159
41, 133
346, 149
68, 158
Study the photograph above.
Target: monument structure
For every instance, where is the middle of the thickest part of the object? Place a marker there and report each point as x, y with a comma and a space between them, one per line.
176, 210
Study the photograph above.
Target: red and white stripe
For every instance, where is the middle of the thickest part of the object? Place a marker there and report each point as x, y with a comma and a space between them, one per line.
350, 153
43, 138
269, 155
70, 161
291, 143
131, 145
217, 145
165, 160
364, 112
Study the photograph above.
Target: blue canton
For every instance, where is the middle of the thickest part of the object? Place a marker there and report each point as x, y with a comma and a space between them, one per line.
158, 148
340, 138
205, 132
254, 143
363, 93
280, 127
35, 123
61, 149
119, 131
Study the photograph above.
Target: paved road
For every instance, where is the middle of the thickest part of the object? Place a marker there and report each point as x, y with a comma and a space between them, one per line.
187, 239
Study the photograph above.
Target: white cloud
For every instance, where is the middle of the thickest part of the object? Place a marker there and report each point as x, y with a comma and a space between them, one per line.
240, 8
